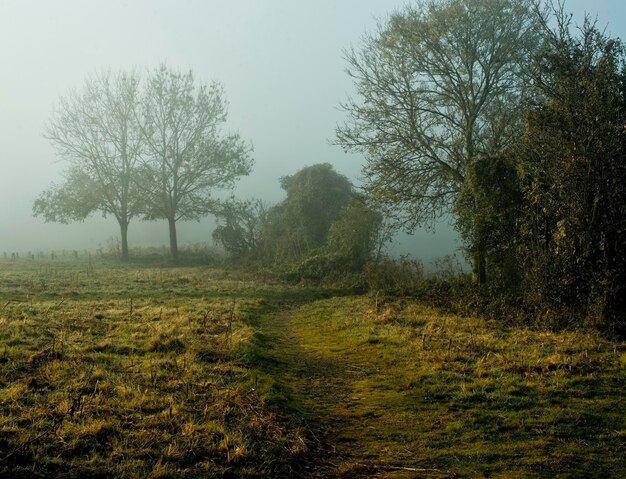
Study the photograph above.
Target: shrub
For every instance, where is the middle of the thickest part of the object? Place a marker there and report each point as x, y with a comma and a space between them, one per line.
400, 276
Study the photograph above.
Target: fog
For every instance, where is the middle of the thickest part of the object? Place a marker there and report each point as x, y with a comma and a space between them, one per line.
280, 62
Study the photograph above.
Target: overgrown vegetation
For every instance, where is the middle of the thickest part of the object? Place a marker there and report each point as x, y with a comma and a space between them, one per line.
322, 230
509, 117
572, 246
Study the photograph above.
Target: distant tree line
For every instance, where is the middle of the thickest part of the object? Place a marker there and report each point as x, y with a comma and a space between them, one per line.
503, 115
150, 148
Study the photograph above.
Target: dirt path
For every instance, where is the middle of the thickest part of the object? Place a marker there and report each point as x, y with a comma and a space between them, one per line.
346, 430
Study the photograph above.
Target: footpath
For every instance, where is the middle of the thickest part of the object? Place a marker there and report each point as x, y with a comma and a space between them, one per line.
358, 428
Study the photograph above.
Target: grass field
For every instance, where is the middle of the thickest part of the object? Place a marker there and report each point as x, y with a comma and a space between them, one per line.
404, 391
126, 371
111, 370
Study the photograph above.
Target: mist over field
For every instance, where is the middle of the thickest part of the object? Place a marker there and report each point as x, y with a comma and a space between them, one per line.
331, 239
281, 65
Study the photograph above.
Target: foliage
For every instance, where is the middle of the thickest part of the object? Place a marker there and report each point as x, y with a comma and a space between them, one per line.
351, 243
438, 87
355, 234
316, 196
239, 229
488, 209
574, 175
400, 276
97, 132
188, 155
71, 201
319, 265
323, 230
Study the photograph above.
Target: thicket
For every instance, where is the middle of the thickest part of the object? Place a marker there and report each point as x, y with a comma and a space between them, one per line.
511, 119
322, 230
572, 173
551, 209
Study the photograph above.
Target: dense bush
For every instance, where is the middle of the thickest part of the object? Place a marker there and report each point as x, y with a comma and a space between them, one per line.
239, 229
572, 243
316, 196
323, 230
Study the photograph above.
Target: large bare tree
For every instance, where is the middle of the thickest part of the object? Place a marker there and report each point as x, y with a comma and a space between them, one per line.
438, 86
188, 154
96, 131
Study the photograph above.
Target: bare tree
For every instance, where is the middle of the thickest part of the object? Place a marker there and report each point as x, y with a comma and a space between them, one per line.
97, 132
438, 86
188, 156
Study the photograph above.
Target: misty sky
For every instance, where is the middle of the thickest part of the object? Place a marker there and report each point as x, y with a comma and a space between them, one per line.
280, 62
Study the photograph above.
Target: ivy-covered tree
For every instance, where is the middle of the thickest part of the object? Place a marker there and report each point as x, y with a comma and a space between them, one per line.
438, 88
354, 237
488, 210
573, 171
316, 196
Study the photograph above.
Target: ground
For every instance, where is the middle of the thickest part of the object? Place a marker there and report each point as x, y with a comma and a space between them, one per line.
154, 371
401, 390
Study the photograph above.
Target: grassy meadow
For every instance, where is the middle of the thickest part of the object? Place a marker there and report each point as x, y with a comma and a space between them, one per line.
127, 371
405, 391
140, 370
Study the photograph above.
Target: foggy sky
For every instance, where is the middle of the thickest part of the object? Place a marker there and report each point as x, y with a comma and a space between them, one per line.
280, 62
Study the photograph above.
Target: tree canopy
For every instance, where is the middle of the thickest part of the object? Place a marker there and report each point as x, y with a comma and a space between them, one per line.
438, 86
187, 154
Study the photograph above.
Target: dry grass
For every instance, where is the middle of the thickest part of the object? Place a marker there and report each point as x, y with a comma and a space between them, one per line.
127, 371
111, 371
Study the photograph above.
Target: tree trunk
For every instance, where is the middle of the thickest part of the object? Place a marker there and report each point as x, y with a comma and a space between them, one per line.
479, 254
479, 268
124, 235
173, 239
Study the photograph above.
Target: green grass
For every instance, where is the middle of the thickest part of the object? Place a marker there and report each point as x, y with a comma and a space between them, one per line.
409, 391
131, 371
